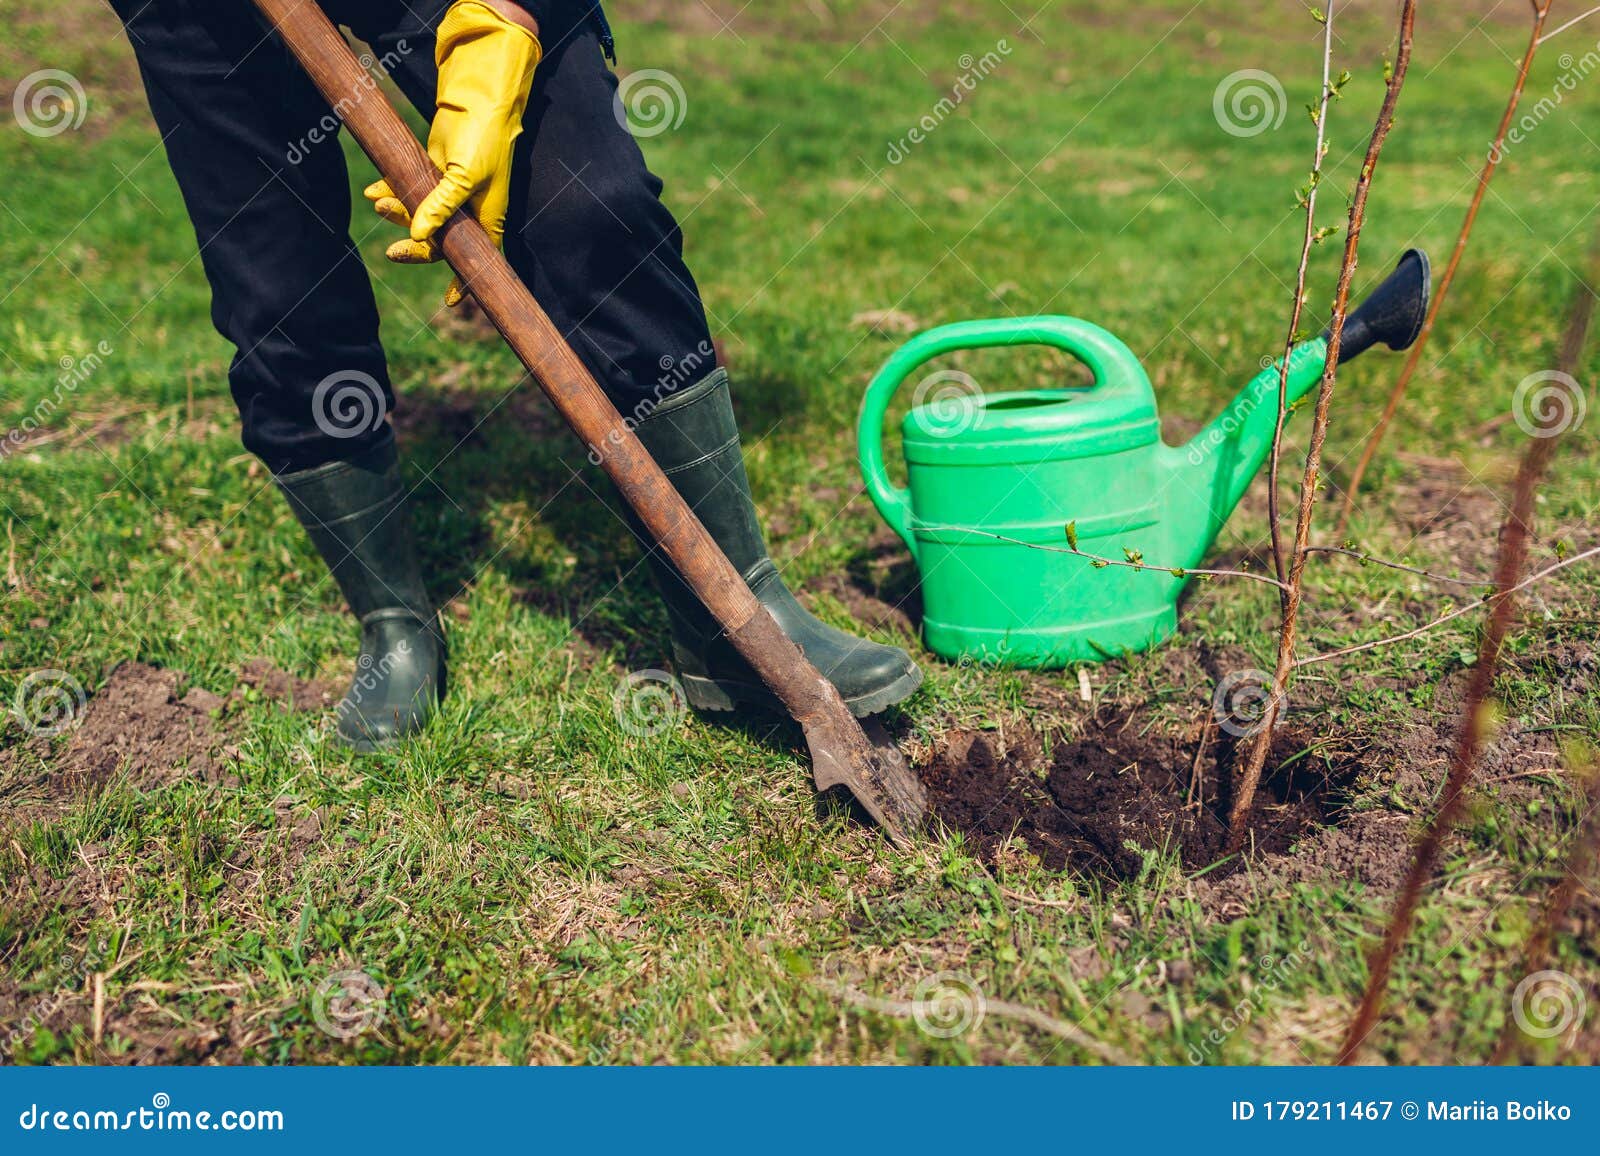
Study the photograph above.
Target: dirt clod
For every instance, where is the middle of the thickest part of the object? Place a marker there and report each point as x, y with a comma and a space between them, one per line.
283, 687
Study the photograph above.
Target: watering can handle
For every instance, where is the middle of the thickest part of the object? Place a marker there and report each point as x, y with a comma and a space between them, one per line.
1115, 369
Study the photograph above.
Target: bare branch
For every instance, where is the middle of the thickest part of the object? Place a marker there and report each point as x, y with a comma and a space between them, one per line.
1373, 559
1280, 562
1541, 10
1244, 797
1514, 537
1491, 600
1567, 25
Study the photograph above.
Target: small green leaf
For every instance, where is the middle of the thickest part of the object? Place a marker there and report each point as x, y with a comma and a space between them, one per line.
1072, 535
794, 963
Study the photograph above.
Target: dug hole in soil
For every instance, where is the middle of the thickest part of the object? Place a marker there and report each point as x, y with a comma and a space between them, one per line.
1099, 801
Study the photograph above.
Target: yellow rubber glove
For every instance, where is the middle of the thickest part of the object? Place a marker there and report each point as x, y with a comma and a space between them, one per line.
486, 65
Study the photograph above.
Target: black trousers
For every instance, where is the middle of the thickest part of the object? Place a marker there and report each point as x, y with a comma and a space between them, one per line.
255, 151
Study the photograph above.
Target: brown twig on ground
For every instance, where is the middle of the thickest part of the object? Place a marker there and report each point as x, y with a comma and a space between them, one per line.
1040, 901
1001, 1009
1244, 797
1196, 776
1580, 861
1541, 9
1280, 562
1514, 537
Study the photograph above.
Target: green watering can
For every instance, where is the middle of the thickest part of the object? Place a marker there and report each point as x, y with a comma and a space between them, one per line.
992, 476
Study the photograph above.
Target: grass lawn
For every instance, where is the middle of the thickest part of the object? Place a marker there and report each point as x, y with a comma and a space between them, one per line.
195, 872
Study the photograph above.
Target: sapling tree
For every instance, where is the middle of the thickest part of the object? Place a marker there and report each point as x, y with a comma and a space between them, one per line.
1294, 575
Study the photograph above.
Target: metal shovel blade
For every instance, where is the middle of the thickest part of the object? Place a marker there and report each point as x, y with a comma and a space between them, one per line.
865, 760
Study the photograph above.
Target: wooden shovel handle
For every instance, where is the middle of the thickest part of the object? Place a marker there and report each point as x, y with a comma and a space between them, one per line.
399, 156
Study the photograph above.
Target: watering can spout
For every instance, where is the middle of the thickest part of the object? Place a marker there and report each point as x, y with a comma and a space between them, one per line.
1223, 458
1393, 313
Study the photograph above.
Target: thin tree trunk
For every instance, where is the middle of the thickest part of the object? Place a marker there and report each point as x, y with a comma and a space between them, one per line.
1244, 796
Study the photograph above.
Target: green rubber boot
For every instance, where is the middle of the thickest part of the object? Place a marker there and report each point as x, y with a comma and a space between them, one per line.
355, 515
693, 437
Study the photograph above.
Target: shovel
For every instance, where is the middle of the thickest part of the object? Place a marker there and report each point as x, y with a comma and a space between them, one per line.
873, 771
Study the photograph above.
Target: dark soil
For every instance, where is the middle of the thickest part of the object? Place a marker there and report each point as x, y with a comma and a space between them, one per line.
147, 728
1099, 802
139, 723
284, 688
